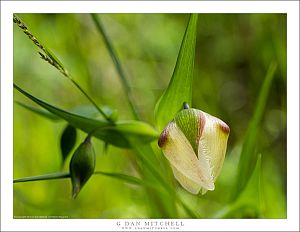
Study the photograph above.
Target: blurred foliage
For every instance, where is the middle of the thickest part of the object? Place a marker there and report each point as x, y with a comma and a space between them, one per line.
233, 53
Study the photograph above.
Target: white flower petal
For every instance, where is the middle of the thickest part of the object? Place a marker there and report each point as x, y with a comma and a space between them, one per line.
181, 155
194, 131
213, 143
186, 182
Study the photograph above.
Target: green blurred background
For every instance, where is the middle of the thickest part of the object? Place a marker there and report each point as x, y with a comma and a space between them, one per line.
233, 53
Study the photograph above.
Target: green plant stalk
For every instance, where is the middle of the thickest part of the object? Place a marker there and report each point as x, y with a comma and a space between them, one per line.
91, 100
117, 64
160, 202
120, 176
120, 134
157, 175
144, 162
51, 176
254, 187
55, 62
63, 175
248, 156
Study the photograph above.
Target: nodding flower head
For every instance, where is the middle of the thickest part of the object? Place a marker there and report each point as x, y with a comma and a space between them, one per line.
194, 143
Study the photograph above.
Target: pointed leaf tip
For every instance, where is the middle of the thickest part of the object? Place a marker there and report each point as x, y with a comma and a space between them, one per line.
179, 89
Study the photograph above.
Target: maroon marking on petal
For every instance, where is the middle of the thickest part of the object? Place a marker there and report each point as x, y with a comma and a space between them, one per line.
201, 124
164, 136
224, 127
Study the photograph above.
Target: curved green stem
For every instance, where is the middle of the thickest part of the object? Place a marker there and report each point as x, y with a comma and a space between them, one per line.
63, 175
117, 64
90, 99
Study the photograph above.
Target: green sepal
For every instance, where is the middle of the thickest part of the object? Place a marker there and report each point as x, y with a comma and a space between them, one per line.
188, 121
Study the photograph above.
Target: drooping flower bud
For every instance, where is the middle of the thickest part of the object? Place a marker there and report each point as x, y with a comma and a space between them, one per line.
194, 143
82, 165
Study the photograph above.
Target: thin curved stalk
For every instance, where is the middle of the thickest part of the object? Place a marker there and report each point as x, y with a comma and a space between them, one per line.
117, 64
63, 175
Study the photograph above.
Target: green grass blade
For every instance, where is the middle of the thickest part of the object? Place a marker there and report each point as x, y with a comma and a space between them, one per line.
51, 176
117, 64
248, 156
180, 85
160, 195
144, 155
118, 134
49, 57
83, 110
188, 210
123, 177
40, 112
251, 196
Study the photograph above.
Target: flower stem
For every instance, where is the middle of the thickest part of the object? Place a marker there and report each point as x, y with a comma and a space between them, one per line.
117, 63
90, 99
43, 177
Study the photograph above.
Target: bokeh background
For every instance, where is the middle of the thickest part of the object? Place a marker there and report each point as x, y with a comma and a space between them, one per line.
233, 53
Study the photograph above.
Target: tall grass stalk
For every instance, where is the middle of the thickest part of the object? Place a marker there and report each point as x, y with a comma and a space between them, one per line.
117, 64
52, 60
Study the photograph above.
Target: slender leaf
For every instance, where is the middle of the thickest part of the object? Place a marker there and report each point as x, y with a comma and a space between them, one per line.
118, 134
50, 176
180, 85
251, 196
55, 62
67, 141
248, 156
159, 192
145, 155
188, 210
40, 112
83, 110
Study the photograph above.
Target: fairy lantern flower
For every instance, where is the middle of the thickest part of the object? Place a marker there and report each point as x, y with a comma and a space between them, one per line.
194, 143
